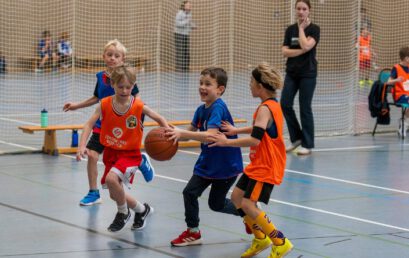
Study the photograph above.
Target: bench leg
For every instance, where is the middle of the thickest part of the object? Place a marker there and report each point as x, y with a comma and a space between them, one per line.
50, 142
403, 123
374, 129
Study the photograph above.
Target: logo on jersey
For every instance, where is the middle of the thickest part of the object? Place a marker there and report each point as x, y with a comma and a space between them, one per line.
117, 132
131, 122
294, 42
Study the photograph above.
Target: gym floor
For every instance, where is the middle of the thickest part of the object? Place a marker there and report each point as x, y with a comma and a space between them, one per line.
348, 199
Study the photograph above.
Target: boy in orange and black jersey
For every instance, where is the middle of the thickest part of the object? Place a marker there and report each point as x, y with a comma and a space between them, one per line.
267, 162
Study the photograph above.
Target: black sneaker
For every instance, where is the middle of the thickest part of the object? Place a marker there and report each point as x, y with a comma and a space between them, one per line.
119, 222
140, 218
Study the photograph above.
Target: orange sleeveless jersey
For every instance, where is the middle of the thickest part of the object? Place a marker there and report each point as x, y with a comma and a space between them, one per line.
401, 88
364, 48
121, 132
268, 157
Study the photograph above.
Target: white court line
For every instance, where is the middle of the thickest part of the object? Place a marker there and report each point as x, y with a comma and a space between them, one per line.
341, 215
18, 145
349, 148
25, 122
341, 149
288, 170
276, 201
348, 182
328, 178
33, 114
292, 204
18, 121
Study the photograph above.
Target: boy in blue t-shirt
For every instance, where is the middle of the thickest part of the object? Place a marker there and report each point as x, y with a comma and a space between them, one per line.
46, 50
114, 55
218, 167
64, 50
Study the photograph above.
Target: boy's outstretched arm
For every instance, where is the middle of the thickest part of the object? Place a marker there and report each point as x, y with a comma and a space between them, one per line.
229, 129
190, 134
86, 132
86, 103
220, 139
155, 116
392, 81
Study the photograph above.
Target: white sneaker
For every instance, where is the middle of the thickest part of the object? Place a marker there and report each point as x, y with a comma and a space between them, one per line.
303, 151
293, 146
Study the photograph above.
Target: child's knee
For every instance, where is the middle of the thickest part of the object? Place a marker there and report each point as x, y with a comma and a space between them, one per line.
247, 205
189, 194
236, 197
93, 156
111, 179
216, 205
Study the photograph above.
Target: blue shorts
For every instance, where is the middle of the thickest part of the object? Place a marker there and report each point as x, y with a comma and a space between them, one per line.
404, 99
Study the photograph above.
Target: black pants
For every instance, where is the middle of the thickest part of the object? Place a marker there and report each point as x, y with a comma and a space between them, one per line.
182, 54
217, 197
306, 87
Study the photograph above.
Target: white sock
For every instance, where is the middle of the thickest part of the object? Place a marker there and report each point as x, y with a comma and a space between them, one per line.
194, 230
123, 209
139, 207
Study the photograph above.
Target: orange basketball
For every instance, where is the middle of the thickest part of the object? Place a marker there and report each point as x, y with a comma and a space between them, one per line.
157, 147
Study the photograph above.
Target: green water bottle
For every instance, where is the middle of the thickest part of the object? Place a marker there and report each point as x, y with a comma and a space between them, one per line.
44, 118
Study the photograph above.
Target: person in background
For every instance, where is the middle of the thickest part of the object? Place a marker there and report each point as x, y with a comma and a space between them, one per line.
3, 64
183, 26
46, 50
64, 50
300, 48
400, 78
366, 56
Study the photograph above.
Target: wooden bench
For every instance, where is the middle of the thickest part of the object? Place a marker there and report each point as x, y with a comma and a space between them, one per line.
50, 138
30, 63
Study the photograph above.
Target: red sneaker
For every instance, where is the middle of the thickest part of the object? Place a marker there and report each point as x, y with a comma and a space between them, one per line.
248, 229
187, 238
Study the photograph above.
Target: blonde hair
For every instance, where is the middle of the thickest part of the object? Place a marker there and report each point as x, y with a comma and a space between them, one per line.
269, 76
118, 45
123, 72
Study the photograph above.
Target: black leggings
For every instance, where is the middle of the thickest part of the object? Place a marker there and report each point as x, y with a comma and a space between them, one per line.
217, 197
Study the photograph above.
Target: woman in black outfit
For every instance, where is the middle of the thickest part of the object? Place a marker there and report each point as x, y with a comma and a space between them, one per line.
299, 47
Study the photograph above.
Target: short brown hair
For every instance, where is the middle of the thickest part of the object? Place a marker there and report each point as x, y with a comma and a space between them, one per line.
123, 72
217, 73
403, 53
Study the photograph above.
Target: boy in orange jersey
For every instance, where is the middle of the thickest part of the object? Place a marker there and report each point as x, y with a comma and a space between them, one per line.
267, 162
400, 78
365, 57
121, 134
114, 54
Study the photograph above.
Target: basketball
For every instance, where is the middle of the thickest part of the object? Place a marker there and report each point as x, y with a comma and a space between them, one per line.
157, 147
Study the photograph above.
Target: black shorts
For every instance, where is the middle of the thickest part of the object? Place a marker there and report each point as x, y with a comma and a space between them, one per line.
255, 190
94, 144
